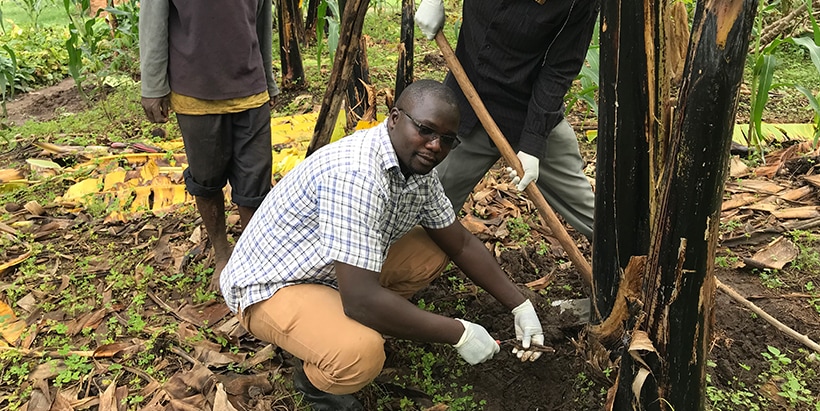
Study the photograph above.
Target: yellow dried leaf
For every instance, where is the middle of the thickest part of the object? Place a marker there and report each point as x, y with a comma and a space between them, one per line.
364, 125
141, 201
149, 170
10, 327
171, 170
115, 217
82, 189
285, 160
12, 186
163, 198
299, 128
171, 145
119, 198
180, 194
54, 148
10, 174
14, 261
112, 178
135, 158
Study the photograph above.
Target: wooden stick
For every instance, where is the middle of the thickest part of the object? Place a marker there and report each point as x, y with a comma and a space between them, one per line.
804, 339
511, 158
53, 354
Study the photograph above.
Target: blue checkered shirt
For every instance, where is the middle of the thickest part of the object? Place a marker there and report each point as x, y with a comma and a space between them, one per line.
347, 202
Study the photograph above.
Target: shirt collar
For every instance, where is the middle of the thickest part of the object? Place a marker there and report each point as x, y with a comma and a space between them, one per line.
388, 158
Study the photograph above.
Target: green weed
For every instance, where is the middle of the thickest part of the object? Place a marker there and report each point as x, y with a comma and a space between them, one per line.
726, 261
430, 372
75, 368
790, 377
769, 278
519, 229
808, 257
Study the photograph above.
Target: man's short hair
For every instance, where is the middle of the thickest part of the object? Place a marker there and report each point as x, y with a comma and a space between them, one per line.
416, 91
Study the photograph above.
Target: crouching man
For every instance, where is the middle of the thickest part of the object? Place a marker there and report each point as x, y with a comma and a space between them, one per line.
327, 265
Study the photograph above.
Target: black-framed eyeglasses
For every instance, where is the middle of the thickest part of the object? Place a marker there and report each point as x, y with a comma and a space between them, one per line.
447, 140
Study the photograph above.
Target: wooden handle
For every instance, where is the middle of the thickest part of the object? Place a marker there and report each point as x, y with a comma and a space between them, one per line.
558, 230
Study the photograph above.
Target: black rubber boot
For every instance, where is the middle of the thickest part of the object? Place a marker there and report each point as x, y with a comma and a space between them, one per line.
320, 400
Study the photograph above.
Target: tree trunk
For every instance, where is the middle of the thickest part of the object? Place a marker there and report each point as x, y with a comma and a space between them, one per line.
622, 180
310, 20
349, 33
404, 71
669, 316
360, 95
290, 19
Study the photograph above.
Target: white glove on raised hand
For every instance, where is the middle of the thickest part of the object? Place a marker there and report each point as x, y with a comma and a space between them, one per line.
530, 165
430, 17
476, 345
528, 331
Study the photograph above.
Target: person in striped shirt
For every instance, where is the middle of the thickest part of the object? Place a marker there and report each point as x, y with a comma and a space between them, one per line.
327, 265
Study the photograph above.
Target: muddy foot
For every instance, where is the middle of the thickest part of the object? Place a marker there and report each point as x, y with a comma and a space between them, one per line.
220, 265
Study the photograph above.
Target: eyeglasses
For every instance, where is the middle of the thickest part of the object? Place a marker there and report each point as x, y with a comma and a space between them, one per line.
446, 140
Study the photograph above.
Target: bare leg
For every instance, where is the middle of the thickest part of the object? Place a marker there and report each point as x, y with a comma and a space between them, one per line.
212, 210
245, 214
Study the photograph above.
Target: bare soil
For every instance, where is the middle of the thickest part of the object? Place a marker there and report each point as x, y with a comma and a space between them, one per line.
563, 380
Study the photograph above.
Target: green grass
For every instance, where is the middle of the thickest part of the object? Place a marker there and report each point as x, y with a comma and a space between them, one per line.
52, 15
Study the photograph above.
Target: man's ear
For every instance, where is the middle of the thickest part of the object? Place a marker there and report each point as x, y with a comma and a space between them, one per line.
393, 117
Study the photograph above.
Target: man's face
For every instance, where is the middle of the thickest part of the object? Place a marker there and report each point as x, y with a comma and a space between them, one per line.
422, 134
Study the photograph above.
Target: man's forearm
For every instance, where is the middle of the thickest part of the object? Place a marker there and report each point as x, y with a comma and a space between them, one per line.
391, 314
153, 28
264, 27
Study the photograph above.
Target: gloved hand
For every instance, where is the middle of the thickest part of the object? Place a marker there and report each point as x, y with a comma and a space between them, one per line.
476, 345
430, 17
530, 165
157, 109
527, 330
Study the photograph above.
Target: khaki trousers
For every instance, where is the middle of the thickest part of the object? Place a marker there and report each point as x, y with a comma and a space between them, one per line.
341, 355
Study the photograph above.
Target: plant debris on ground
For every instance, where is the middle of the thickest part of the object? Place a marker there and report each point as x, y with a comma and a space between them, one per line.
107, 312
105, 266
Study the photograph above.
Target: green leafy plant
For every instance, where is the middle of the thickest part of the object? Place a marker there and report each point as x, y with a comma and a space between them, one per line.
33, 9
769, 278
519, 229
791, 376
807, 243
425, 369
81, 39
812, 44
40, 56
588, 78
76, 367
8, 71
327, 25
760, 84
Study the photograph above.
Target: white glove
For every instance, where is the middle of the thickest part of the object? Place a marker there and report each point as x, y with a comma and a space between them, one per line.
527, 330
530, 165
430, 17
475, 345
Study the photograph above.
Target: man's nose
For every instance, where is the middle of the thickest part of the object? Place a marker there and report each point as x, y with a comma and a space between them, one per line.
434, 144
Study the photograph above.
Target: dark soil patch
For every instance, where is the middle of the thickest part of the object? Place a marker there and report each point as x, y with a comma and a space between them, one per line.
45, 104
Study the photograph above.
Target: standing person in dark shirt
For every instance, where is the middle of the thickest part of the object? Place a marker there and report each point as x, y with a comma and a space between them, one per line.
522, 57
211, 64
